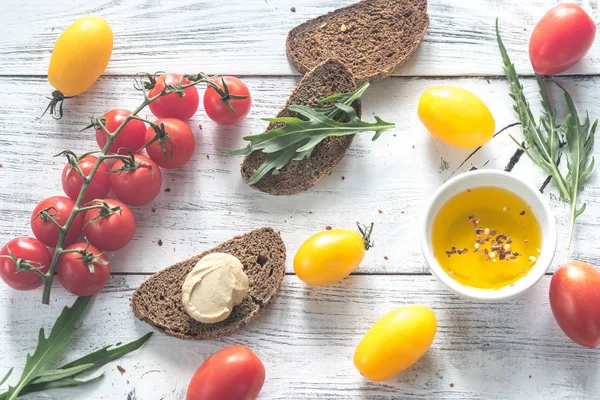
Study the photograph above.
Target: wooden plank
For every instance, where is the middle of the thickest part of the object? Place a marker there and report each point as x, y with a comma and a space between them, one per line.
241, 37
208, 202
307, 339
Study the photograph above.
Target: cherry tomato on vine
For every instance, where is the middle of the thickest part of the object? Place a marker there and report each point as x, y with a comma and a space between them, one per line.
59, 208
234, 373
172, 105
72, 181
179, 146
75, 270
218, 111
109, 228
130, 137
330, 256
136, 182
29, 250
561, 38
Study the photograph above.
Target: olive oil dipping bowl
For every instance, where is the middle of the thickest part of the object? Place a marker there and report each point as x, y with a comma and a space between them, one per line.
530, 195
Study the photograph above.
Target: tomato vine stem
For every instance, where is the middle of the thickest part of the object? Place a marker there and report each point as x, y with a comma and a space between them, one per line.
145, 84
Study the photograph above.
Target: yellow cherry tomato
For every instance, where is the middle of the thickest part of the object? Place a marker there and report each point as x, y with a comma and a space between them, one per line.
395, 342
456, 116
330, 256
80, 55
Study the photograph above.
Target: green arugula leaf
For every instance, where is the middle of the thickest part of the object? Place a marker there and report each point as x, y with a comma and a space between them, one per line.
6, 377
58, 374
48, 348
104, 356
580, 143
62, 383
544, 138
298, 136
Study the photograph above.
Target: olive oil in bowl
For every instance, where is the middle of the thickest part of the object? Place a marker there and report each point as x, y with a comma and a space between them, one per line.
486, 237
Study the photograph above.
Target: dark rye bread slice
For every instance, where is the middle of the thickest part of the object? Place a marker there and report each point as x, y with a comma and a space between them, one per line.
158, 300
330, 77
373, 37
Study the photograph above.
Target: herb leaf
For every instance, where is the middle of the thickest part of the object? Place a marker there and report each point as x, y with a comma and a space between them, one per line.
48, 348
299, 136
544, 138
6, 377
580, 142
36, 377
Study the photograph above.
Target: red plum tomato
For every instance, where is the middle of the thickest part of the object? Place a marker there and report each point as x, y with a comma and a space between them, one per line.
234, 373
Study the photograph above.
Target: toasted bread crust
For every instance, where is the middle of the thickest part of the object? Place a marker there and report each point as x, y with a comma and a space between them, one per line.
372, 37
328, 78
158, 300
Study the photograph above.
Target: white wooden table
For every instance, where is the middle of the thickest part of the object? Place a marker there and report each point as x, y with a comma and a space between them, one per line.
509, 350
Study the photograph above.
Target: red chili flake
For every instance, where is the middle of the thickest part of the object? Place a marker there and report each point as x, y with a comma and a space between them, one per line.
1, 165
401, 212
154, 210
160, 243
121, 369
167, 190
380, 211
200, 126
452, 385
385, 258
522, 212
328, 228
293, 9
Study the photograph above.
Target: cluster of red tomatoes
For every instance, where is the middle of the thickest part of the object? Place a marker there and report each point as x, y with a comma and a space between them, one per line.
109, 224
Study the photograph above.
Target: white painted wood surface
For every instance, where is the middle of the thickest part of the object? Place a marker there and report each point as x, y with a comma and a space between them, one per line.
248, 37
307, 338
510, 350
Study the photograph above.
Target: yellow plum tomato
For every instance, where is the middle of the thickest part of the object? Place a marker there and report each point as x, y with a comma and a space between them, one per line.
456, 116
330, 256
395, 342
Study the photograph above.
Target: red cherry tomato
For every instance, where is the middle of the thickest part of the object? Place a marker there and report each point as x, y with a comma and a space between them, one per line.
561, 38
74, 270
171, 105
234, 373
181, 141
29, 250
110, 232
59, 207
72, 181
218, 111
130, 137
575, 302
136, 183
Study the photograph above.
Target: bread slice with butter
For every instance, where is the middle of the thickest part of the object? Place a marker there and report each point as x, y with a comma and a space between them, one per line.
158, 300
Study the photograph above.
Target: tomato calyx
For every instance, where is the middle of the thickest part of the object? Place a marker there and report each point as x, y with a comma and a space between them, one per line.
24, 265
56, 105
48, 214
365, 232
161, 136
225, 95
130, 164
87, 257
104, 210
74, 161
145, 81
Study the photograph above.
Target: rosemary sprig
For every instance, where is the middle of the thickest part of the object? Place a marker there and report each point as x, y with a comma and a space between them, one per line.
544, 139
299, 136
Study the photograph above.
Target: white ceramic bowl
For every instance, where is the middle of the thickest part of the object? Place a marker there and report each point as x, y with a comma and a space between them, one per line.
503, 180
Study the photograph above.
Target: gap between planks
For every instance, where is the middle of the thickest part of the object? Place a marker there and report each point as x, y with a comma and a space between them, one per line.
293, 274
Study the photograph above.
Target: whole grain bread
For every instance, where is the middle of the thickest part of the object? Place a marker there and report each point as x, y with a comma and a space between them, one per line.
373, 37
158, 300
328, 78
